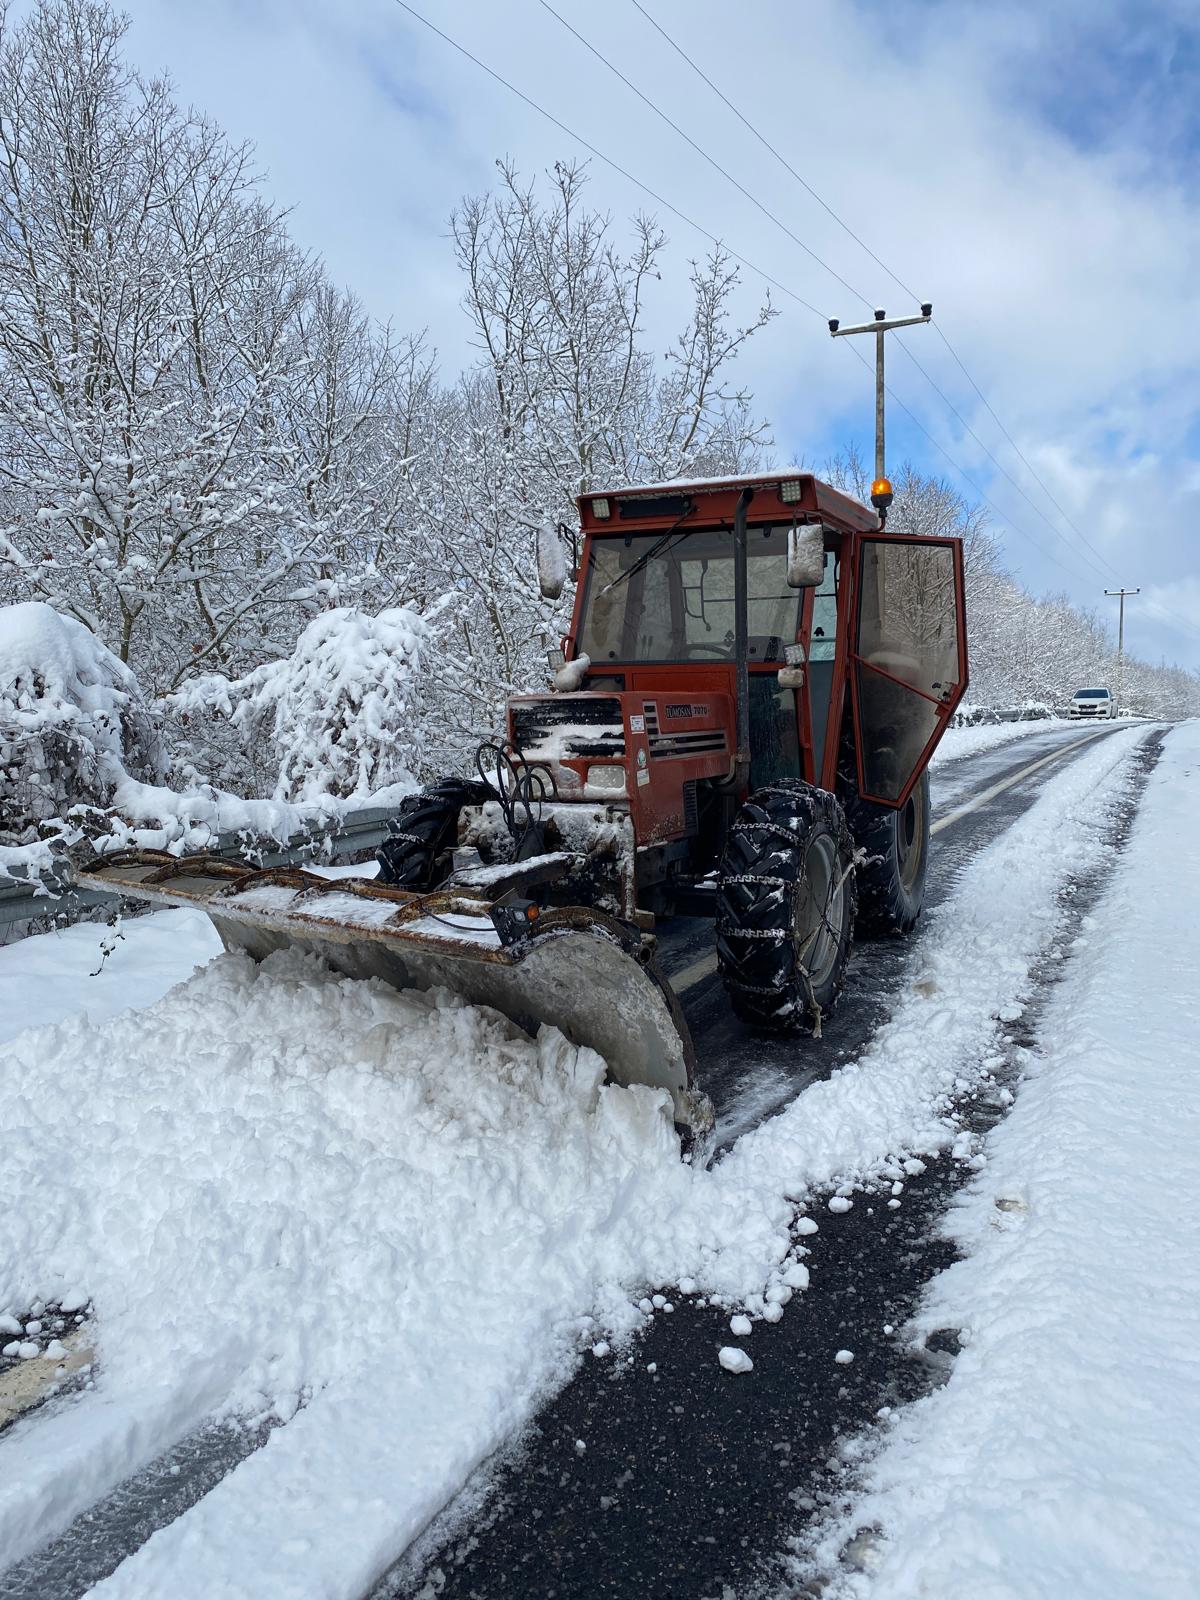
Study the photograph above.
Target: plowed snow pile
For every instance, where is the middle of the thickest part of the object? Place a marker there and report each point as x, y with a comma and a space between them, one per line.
1061, 1457
285, 1190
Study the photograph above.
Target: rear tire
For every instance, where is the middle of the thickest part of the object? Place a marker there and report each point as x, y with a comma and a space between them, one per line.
417, 855
891, 881
785, 907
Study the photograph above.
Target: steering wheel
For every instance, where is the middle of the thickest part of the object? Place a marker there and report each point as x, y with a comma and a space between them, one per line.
714, 649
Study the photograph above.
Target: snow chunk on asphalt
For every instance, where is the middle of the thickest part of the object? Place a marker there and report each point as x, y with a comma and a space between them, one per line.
844, 1357
839, 1204
741, 1326
735, 1360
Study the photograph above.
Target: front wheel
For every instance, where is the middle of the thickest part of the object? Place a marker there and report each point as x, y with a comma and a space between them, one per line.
416, 854
786, 902
894, 863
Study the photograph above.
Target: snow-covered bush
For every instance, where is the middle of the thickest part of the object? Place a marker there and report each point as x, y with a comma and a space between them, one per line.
341, 717
73, 723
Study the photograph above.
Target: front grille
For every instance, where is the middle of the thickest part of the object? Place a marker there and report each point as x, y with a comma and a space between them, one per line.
691, 813
567, 728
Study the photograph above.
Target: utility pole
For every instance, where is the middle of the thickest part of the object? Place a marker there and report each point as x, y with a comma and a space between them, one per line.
881, 489
1121, 638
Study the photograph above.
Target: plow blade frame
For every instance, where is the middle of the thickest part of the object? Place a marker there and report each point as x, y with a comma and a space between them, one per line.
581, 971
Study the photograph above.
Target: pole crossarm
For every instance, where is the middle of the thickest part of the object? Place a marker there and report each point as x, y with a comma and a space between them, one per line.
881, 493
880, 325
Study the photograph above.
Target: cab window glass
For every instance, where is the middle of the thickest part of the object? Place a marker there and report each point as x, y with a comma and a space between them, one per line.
650, 600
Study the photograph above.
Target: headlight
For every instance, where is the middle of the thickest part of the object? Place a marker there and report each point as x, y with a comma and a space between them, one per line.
611, 779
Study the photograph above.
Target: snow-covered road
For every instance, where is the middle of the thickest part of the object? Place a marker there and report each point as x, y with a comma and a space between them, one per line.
1061, 1457
396, 1224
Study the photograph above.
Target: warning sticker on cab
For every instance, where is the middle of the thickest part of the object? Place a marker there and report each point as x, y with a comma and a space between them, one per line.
637, 724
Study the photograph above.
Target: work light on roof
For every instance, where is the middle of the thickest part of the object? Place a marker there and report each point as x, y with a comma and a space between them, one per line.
790, 491
601, 509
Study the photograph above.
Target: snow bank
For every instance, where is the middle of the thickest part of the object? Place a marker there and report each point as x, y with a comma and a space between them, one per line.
53, 976
282, 1188
73, 724
959, 742
1060, 1458
341, 713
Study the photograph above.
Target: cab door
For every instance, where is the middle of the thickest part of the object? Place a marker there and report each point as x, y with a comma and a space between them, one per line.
908, 658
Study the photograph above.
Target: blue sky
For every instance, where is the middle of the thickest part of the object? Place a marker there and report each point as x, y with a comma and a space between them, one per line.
1029, 168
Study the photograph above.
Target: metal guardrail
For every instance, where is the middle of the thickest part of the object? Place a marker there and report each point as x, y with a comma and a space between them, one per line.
990, 717
49, 892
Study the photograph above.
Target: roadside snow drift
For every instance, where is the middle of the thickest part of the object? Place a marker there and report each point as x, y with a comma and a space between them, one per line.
1061, 1458
73, 728
285, 1190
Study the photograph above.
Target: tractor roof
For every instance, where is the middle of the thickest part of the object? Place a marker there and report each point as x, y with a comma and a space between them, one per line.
780, 493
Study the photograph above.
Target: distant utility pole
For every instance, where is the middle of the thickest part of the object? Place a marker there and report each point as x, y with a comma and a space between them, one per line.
1121, 637
881, 489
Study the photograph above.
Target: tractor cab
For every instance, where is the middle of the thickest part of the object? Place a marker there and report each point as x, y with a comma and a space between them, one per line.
780, 604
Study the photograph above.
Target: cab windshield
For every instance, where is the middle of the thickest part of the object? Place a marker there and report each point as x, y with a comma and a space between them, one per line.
678, 605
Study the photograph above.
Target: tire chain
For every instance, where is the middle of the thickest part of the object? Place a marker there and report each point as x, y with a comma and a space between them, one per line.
764, 972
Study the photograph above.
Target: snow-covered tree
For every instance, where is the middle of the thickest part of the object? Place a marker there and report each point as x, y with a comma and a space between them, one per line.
567, 397
345, 716
73, 723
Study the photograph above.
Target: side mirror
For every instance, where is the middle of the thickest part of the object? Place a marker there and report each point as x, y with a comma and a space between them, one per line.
806, 556
552, 568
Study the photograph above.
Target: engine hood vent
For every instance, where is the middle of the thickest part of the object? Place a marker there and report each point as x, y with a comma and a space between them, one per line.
568, 728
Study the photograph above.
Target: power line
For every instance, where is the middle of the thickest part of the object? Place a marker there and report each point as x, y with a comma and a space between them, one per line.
1005, 521
744, 261
609, 162
687, 139
767, 212
999, 466
767, 145
1015, 446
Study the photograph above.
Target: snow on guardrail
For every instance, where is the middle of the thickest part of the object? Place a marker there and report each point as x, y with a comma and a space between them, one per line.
40, 884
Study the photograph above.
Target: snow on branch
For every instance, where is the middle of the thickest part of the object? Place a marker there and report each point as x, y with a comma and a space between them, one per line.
342, 715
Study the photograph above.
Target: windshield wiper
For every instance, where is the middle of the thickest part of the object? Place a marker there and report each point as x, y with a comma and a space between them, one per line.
655, 548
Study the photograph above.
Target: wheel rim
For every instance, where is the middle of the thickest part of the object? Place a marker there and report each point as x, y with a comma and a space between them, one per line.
910, 838
820, 911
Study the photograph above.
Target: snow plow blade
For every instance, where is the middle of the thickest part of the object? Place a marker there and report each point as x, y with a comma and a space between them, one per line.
580, 970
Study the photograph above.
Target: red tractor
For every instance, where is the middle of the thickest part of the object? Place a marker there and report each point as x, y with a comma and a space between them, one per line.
755, 678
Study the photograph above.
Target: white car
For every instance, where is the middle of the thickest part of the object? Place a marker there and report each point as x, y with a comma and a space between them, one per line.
1092, 703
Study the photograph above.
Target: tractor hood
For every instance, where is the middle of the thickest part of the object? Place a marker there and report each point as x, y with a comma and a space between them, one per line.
646, 749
